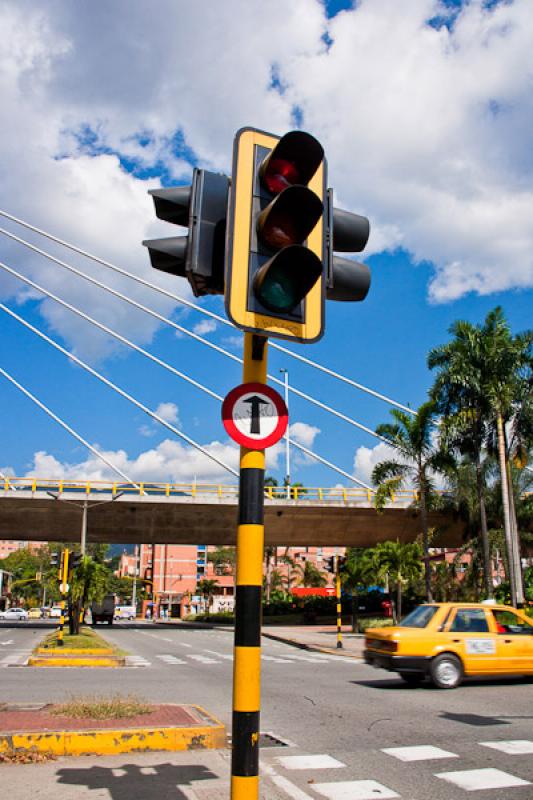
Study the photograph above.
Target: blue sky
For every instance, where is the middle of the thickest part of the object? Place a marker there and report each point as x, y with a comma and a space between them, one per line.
424, 114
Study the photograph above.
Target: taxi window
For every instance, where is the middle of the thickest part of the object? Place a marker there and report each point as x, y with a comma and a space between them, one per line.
419, 618
509, 622
470, 620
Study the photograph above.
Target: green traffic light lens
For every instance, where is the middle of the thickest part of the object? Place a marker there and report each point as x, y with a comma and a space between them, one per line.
278, 292
286, 278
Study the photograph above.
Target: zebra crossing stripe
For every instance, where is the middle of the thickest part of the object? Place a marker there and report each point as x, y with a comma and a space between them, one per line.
170, 659
204, 659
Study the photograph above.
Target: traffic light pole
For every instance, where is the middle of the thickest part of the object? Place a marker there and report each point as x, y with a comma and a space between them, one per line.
62, 589
339, 603
249, 581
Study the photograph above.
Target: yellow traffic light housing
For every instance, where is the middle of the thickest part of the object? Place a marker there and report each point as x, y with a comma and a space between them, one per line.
276, 249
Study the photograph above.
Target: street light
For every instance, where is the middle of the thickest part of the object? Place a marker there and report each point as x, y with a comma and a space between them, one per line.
287, 436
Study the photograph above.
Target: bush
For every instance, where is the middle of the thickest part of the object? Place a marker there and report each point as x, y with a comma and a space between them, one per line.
224, 617
374, 622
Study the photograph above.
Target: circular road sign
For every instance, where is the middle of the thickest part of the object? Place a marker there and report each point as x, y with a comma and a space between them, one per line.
254, 415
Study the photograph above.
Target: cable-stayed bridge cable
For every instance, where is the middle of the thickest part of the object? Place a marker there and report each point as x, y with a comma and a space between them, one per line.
163, 364
196, 307
70, 430
119, 391
175, 325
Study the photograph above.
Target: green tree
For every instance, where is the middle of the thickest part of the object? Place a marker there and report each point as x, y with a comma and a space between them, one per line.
358, 572
88, 582
223, 560
310, 575
207, 588
402, 564
412, 438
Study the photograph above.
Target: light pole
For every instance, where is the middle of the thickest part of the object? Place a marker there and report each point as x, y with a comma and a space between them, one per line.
287, 438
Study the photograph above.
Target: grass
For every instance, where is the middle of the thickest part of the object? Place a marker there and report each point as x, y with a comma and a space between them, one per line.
101, 707
87, 639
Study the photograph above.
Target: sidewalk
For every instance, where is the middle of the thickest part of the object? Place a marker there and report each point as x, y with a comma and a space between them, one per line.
192, 775
318, 637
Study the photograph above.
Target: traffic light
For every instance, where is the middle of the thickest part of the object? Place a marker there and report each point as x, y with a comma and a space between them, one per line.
54, 559
346, 280
201, 207
276, 249
75, 560
341, 561
330, 564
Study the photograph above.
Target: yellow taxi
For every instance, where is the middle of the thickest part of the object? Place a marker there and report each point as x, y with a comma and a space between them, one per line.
447, 641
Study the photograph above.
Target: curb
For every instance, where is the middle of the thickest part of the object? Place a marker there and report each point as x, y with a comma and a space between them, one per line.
70, 661
53, 651
120, 740
312, 648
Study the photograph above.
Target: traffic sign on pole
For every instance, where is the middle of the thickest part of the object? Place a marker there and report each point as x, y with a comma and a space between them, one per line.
254, 415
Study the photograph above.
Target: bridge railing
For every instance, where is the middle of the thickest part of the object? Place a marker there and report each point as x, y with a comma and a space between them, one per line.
301, 494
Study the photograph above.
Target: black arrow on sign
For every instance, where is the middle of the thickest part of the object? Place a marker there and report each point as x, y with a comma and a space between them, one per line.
256, 402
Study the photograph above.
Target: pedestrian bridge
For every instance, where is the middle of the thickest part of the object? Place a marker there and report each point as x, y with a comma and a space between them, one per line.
159, 513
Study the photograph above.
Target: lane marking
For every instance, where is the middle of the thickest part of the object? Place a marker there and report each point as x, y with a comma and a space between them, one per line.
283, 783
475, 779
310, 762
220, 655
418, 753
354, 790
513, 747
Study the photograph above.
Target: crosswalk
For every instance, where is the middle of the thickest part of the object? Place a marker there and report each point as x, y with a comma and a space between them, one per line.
213, 657
308, 768
16, 658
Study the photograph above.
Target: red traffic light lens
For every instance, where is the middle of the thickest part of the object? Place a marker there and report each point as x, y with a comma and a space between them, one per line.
279, 174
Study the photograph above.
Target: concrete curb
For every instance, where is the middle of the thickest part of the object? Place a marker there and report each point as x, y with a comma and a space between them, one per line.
58, 651
73, 661
120, 740
310, 647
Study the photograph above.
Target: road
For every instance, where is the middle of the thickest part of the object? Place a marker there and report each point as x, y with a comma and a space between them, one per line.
337, 712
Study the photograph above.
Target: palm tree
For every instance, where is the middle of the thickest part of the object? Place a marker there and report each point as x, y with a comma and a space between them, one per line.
310, 575
484, 382
412, 437
358, 571
207, 588
402, 563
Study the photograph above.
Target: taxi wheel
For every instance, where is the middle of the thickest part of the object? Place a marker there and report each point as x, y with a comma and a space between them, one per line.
446, 671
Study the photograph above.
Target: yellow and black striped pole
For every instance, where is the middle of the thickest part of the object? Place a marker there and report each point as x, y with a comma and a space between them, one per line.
249, 582
63, 578
339, 603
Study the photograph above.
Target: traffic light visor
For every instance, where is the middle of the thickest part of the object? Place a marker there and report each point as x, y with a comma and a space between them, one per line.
169, 254
294, 160
172, 205
286, 278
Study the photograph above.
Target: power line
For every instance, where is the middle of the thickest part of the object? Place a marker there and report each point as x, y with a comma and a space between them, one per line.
196, 307
180, 328
70, 430
117, 389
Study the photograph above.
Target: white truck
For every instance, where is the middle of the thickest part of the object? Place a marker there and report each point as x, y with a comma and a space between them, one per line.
125, 612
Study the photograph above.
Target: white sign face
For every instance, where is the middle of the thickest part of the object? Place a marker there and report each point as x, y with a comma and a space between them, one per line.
254, 415
481, 647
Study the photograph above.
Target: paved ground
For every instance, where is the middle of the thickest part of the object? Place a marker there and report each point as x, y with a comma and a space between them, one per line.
342, 720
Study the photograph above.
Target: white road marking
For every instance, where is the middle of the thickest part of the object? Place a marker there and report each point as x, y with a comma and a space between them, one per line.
309, 762
472, 780
354, 790
8, 642
513, 747
418, 753
220, 655
184, 644
170, 659
204, 659
276, 659
16, 659
283, 783
137, 661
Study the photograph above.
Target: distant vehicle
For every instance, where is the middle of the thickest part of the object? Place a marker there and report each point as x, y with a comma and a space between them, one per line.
104, 611
14, 613
447, 641
125, 612
34, 613
55, 612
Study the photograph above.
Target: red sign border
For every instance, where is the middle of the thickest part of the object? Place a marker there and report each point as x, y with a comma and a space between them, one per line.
241, 438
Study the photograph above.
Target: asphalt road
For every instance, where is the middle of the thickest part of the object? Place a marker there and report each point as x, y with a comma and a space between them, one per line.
325, 706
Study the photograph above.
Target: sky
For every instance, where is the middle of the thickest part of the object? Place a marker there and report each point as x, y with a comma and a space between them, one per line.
424, 110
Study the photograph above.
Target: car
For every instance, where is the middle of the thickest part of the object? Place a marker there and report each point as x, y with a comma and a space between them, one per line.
14, 613
34, 613
446, 642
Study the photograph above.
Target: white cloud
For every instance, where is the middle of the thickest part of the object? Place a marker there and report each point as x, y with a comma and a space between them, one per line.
169, 461
205, 326
168, 412
303, 433
427, 131
366, 458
